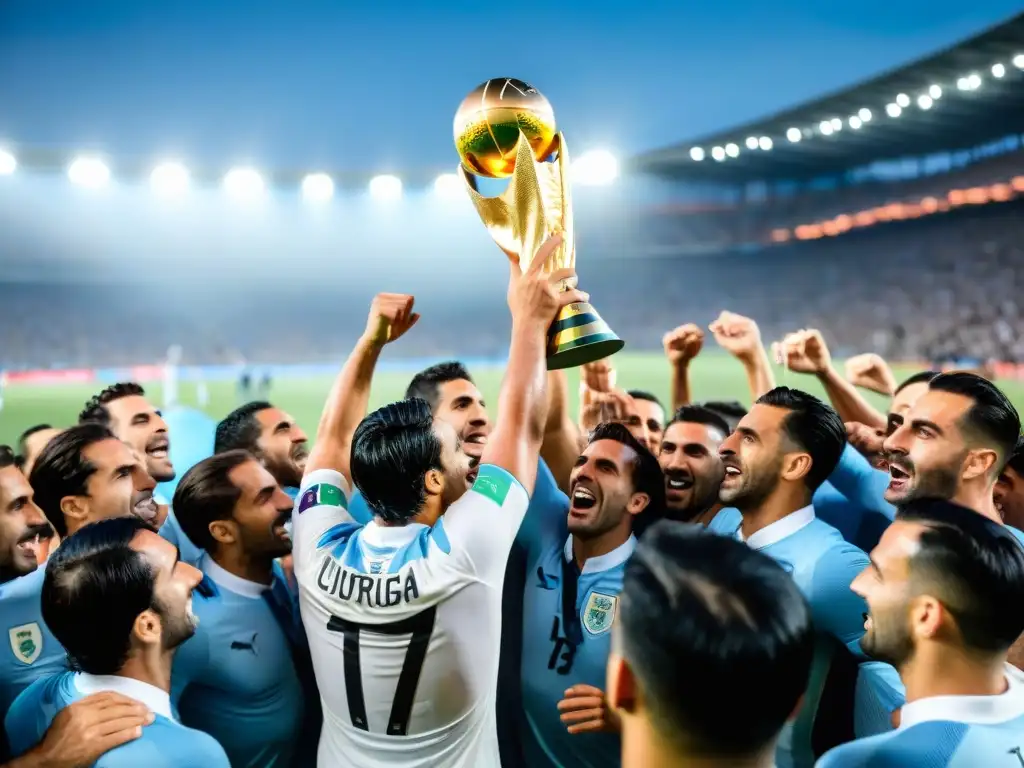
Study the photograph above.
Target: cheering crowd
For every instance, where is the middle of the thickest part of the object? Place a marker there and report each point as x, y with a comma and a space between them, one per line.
436, 583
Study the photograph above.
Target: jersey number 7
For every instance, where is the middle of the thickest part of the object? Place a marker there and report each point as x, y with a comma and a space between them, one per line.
420, 627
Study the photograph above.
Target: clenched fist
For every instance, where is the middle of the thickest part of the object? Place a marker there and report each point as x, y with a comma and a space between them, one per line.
870, 371
803, 352
737, 335
683, 343
390, 317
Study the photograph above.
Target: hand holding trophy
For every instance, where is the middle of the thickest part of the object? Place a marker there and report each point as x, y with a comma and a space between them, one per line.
506, 128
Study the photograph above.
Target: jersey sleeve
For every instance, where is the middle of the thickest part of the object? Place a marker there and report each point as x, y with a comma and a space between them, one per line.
483, 523
861, 483
546, 516
879, 693
836, 608
21, 723
172, 532
322, 503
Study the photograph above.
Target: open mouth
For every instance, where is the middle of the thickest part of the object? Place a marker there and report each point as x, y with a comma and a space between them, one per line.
283, 526
473, 472
731, 471
158, 447
899, 477
678, 483
146, 508
473, 444
582, 499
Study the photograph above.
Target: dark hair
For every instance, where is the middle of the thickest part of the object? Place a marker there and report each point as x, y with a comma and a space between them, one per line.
206, 494
642, 394
392, 449
7, 457
732, 410
29, 432
645, 469
921, 377
62, 470
700, 614
974, 566
699, 414
992, 419
95, 587
96, 409
240, 429
1016, 460
813, 427
427, 383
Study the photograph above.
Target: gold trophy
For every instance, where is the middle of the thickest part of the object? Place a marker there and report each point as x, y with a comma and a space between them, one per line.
506, 128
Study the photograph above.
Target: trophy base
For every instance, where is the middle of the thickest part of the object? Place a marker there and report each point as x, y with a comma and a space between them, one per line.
579, 336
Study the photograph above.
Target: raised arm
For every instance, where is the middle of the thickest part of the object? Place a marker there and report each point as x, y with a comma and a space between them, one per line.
534, 299
741, 338
391, 315
681, 346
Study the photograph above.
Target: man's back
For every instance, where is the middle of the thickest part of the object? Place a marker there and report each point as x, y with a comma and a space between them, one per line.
404, 624
164, 743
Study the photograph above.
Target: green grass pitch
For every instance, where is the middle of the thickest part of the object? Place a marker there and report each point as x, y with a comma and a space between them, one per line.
713, 377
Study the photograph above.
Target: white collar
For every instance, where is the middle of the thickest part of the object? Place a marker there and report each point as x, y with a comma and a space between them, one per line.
971, 710
229, 581
780, 529
377, 535
605, 562
157, 700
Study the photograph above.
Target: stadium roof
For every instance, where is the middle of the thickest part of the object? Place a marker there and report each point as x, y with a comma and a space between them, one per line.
958, 98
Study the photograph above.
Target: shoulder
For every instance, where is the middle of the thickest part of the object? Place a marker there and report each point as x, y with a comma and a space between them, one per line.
167, 744
24, 588
34, 708
931, 743
726, 522
323, 488
498, 485
1017, 533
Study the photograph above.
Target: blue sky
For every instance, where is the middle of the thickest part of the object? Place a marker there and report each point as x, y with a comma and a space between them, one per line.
373, 86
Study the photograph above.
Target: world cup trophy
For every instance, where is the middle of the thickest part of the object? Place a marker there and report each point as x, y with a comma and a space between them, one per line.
506, 128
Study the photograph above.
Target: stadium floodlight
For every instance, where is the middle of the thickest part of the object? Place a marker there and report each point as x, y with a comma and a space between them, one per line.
864, 114
837, 124
855, 122
975, 81
169, 179
765, 143
317, 188
998, 70
752, 142
935, 92
385, 187
732, 150
1018, 61
961, 84
8, 163
89, 172
925, 101
718, 153
244, 183
448, 186
825, 127
596, 168
903, 100
697, 154
794, 135
893, 110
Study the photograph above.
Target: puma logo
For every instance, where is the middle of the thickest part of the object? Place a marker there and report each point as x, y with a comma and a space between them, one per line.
238, 645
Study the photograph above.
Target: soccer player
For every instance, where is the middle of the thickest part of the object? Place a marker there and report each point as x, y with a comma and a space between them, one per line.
710, 652
118, 598
574, 575
22, 524
31, 444
271, 435
650, 418
403, 614
938, 590
239, 679
691, 464
780, 453
83, 475
1008, 495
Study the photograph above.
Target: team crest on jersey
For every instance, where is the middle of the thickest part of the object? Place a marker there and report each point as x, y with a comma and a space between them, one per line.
599, 613
26, 642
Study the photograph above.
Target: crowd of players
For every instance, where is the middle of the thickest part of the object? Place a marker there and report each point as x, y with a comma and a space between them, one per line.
796, 584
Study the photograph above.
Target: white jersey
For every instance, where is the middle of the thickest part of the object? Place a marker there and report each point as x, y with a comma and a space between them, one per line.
404, 624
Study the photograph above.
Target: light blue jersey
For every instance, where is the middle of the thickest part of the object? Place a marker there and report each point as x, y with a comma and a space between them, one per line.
165, 743
31, 652
946, 732
171, 531
240, 683
823, 565
567, 618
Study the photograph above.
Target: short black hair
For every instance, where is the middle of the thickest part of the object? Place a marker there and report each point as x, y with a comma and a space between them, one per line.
992, 419
427, 383
699, 414
392, 449
206, 494
700, 614
7, 457
730, 410
921, 377
645, 469
62, 470
94, 588
812, 426
1016, 460
95, 410
240, 429
643, 394
974, 566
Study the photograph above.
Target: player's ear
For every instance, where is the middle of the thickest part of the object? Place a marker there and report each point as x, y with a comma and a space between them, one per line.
621, 685
638, 503
795, 466
75, 508
148, 628
433, 482
224, 531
